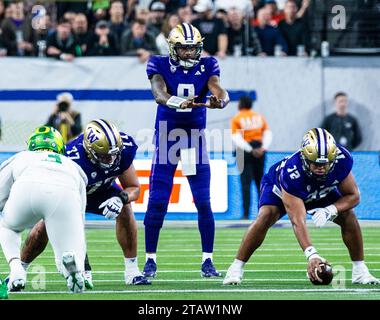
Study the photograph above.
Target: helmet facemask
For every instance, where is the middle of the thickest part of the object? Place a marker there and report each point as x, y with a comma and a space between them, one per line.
318, 149
105, 161
186, 63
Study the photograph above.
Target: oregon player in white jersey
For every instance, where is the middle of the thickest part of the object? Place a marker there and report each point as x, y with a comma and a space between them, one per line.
42, 183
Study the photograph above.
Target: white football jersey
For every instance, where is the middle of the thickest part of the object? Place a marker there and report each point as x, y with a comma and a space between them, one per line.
41, 167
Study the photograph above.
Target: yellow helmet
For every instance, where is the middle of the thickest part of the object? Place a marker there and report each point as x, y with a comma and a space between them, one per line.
103, 144
318, 147
185, 35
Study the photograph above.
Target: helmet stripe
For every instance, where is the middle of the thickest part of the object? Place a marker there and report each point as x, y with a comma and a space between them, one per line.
107, 131
184, 30
325, 145
191, 32
322, 143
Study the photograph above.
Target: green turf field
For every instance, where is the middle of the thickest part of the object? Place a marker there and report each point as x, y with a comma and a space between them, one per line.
276, 271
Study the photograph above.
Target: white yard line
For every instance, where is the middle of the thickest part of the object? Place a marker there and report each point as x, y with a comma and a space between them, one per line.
205, 291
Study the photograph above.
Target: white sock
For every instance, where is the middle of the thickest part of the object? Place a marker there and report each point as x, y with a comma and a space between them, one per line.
151, 256
10, 242
206, 255
15, 264
131, 264
238, 264
25, 265
358, 264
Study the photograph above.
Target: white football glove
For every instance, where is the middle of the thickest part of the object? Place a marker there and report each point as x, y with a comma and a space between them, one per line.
322, 215
112, 207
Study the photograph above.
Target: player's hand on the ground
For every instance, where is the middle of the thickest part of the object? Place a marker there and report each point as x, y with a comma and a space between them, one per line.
314, 266
322, 215
112, 207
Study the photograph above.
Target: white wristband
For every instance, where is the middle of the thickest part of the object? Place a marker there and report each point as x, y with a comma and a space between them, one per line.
309, 251
175, 102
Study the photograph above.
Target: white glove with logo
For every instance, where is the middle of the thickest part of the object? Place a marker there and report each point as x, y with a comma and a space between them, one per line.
322, 215
112, 207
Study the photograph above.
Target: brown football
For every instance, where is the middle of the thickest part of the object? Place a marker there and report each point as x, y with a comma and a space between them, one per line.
326, 275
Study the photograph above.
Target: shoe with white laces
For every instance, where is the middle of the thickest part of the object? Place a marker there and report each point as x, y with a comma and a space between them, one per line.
75, 279
136, 278
234, 276
87, 275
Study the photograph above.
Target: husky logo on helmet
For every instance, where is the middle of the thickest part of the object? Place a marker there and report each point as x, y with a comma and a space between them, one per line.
318, 147
46, 138
102, 143
185, 36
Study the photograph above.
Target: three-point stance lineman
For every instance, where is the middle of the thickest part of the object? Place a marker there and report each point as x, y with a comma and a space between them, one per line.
316, 180
180, 83
43, 184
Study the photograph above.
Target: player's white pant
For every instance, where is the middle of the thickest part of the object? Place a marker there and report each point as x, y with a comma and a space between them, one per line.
59, 206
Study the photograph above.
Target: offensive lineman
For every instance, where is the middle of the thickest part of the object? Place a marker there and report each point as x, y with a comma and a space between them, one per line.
179, 84
104, 154
316, 180
35, 185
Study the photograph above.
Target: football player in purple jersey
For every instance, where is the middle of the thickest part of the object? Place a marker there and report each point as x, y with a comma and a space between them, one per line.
104, 154
180, 83
316, 180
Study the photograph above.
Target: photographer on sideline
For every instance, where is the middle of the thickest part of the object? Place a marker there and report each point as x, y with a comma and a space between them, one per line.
67, 121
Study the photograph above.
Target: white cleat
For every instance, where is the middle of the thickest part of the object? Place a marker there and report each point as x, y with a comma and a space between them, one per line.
364, 277
75, 280
234, 276
17, 279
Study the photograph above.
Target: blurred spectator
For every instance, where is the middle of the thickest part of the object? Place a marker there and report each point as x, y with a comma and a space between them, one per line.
185, 14
103, 41
117, 12
294, 30
270, 37
275, 14
67, 121
142, 14
132, 9
251, 134
62, 44
237, 40
212, 29
80, 31
343, 126
70, 16
156, 17
138, 42
17, 33
245, 6
303, 9
42, 32
222, 15
161, 41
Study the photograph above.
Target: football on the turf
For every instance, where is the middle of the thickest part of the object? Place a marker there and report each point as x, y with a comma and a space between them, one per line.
326, 275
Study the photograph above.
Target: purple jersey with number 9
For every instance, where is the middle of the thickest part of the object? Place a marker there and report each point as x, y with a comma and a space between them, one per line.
185, 83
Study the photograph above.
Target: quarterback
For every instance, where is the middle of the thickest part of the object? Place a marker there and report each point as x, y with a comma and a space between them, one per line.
35, 185
316, 180
180, 83
104, 154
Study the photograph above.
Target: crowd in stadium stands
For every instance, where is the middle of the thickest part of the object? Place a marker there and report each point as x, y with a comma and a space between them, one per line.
69, 29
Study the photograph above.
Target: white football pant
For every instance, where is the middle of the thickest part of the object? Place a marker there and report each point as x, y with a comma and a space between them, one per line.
58, 205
